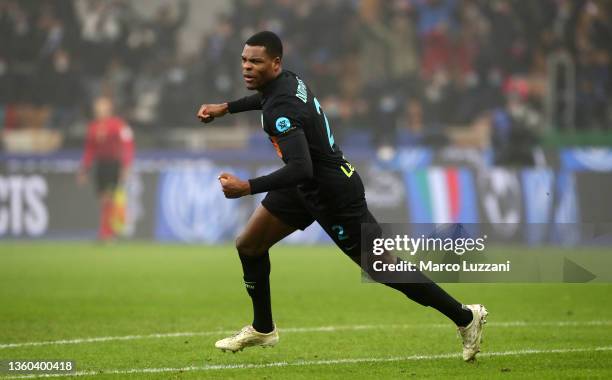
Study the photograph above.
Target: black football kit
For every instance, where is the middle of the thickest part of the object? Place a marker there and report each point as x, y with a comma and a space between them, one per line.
316, 182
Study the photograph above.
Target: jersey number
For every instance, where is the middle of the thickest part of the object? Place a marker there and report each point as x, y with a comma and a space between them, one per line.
329, 134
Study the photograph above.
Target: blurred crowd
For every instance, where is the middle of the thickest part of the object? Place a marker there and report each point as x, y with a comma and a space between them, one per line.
56, 56
420, 67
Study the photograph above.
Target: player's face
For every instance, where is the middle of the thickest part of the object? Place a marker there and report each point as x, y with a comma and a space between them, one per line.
258, 68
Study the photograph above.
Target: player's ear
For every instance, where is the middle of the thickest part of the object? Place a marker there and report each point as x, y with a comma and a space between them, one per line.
276, 62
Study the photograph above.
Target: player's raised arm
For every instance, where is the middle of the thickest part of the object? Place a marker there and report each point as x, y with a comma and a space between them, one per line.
248, 103
208, 112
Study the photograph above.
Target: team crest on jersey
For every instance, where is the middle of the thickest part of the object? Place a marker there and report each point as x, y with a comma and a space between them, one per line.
282, 124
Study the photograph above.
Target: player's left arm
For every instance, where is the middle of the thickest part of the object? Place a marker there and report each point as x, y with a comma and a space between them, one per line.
299, 168
294, 148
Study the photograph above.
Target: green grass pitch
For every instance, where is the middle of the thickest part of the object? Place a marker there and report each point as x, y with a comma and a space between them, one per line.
107, 303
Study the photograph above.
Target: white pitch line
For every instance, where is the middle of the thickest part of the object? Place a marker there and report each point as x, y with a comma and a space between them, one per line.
300, 330
300, 363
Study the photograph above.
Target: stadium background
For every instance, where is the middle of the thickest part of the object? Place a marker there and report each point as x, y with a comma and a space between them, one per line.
496, 112
452, 111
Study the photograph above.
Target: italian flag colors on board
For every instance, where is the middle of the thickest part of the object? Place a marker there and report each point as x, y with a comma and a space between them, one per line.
442, 195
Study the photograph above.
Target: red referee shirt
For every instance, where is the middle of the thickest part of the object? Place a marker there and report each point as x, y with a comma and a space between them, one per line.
109, 139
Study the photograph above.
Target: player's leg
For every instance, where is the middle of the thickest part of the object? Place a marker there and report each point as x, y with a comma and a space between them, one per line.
262, 231
280, 214
415, 285
345, 228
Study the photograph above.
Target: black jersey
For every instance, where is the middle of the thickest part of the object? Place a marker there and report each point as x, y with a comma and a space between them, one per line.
300, 132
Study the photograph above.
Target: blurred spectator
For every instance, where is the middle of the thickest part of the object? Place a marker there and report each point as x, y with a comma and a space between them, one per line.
101, 28
515, 128
436, 26
165, 27
420, 66
593, 39
60, 82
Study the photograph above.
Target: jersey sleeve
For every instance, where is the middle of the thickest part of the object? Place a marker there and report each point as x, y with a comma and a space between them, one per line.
298, 168
286, 114
248, 103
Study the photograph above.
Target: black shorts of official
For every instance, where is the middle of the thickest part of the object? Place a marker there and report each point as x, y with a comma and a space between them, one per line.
342, 224
107, 175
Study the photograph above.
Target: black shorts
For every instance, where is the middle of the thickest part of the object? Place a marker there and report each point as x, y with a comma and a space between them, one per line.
107, 175
342, 224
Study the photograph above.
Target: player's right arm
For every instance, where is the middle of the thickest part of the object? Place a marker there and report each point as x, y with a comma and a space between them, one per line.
208, 112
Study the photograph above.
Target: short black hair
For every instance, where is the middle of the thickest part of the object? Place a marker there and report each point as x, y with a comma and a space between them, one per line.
269, 40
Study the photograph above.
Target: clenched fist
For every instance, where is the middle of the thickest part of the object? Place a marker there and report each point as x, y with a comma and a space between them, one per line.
208, 112
234, 187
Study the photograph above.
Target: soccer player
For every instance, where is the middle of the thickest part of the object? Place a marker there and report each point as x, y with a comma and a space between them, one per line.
109, 147
316, 184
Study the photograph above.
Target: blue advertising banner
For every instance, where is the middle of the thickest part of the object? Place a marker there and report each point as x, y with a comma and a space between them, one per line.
183, 202
538, 198
587, 159
567, 210
191, 207
410, 159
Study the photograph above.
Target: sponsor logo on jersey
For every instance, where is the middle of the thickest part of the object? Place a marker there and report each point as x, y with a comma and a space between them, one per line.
282, 124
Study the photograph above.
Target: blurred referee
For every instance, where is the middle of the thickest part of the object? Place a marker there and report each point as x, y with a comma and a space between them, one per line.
109, 149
